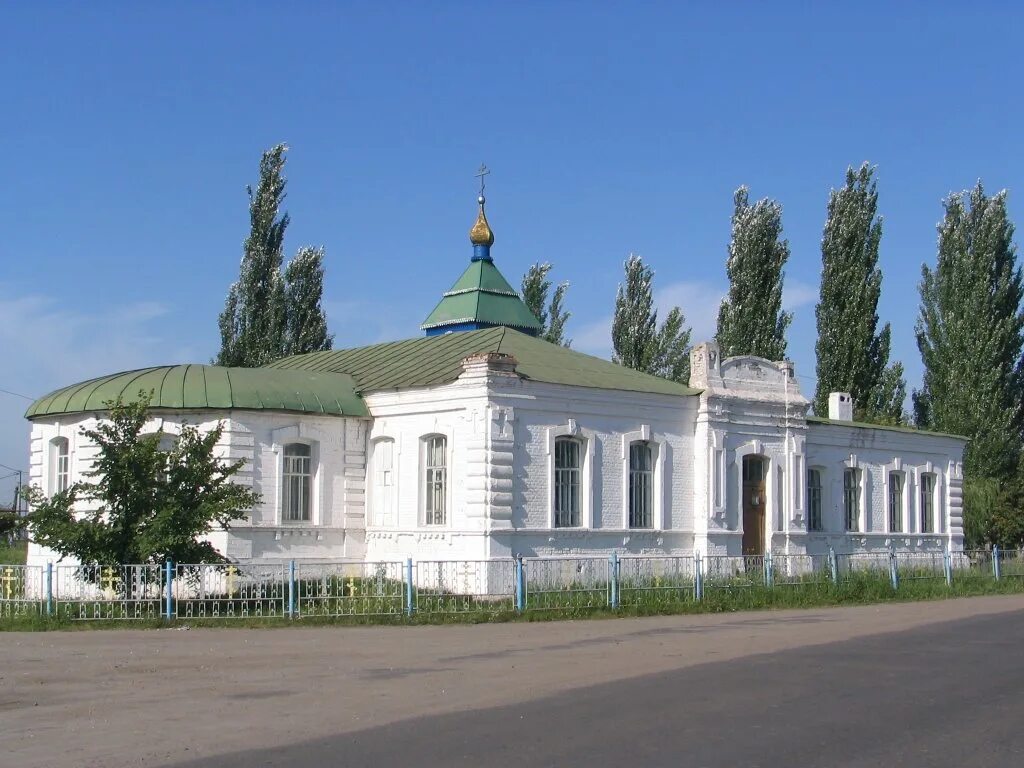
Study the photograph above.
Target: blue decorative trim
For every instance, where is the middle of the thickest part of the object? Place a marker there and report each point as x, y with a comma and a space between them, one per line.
441, 330
482, 253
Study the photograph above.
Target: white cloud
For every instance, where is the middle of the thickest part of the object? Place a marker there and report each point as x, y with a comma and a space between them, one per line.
796, 294
49, 344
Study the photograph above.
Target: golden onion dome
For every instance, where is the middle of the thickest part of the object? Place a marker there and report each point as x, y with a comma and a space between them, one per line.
481, 233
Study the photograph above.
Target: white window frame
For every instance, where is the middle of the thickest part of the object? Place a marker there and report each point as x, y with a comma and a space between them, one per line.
657, 446
936, 526
822, 485
422, 480
388, 513
587, 440
314, 473
896, 468
853, 466
56, 472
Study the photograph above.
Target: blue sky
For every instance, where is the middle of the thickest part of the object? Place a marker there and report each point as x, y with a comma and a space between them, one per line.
131, 131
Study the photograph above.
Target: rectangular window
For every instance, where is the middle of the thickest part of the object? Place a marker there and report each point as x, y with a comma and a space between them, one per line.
60, 465
717, 472
813, 500
927, 503
895, 502
567, 483
297, 481
641, 485
435, 491
851, 499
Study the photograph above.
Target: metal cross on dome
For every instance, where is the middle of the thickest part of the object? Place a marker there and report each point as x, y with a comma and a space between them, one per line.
484, 170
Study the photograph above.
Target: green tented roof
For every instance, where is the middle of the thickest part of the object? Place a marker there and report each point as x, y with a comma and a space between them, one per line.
884, 427
433, 360
482, 295
208, 386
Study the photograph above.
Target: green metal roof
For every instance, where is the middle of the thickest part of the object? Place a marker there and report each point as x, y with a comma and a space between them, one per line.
886, 427
192, 387
482, 295
435, 360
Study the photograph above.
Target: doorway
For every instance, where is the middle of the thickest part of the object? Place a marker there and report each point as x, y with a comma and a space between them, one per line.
755, 470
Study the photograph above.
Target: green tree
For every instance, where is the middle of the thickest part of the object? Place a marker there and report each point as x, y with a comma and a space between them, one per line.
750, 319
970, 332
552, 317
147, 505
305, 320
265, 313
637, 340
852, 352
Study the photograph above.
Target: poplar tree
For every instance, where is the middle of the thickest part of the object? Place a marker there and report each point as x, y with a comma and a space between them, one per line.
268, 314
970, 332
750, 319
305, 320
852, 352
252, 323
552, 317
638, 341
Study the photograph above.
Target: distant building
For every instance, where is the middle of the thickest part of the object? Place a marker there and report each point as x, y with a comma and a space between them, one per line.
479, 440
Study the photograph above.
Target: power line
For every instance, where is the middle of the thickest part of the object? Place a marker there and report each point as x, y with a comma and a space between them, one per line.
16, 394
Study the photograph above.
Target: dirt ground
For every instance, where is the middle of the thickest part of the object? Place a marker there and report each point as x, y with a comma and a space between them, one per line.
156, 697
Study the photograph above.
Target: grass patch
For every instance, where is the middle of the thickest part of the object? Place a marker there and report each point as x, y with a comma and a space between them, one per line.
14, 554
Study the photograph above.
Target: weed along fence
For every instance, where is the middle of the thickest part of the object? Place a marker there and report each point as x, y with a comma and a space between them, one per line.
298, 589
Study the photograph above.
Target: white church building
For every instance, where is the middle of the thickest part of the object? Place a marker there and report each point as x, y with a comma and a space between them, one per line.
479, 441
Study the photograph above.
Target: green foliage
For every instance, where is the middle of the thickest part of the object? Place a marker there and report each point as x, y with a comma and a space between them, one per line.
970, 332
268, 314
305, 321
552, 317
146, 504
750, 319
852, 353
10, 523
637, 340
992, 511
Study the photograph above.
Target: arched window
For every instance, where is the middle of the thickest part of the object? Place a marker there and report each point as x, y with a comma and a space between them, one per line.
568, 454
927, 509
297, 483
383, 479
641, 485
435, 480
814, 500
60, 463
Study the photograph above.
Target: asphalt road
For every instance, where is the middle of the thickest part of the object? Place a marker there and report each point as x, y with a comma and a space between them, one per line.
917, 684
944, 695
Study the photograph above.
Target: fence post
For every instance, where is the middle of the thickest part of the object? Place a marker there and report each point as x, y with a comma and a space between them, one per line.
769, 568
894, 570
698, 577
947, 566
833, 566
49, 589
408, 587
613, 580
169, 578
291, 589
520, 584
997, 569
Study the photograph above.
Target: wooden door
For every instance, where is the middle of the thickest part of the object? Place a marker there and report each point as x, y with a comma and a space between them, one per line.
754, 504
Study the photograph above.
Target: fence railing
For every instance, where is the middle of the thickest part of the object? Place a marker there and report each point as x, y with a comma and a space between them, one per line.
300, 589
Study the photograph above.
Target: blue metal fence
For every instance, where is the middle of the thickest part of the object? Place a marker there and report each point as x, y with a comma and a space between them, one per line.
300, 589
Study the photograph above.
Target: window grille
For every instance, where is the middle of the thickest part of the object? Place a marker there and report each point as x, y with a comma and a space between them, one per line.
851, 499
297, 481
895, 502
567, 483
641, 485
928, 503
435, 464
